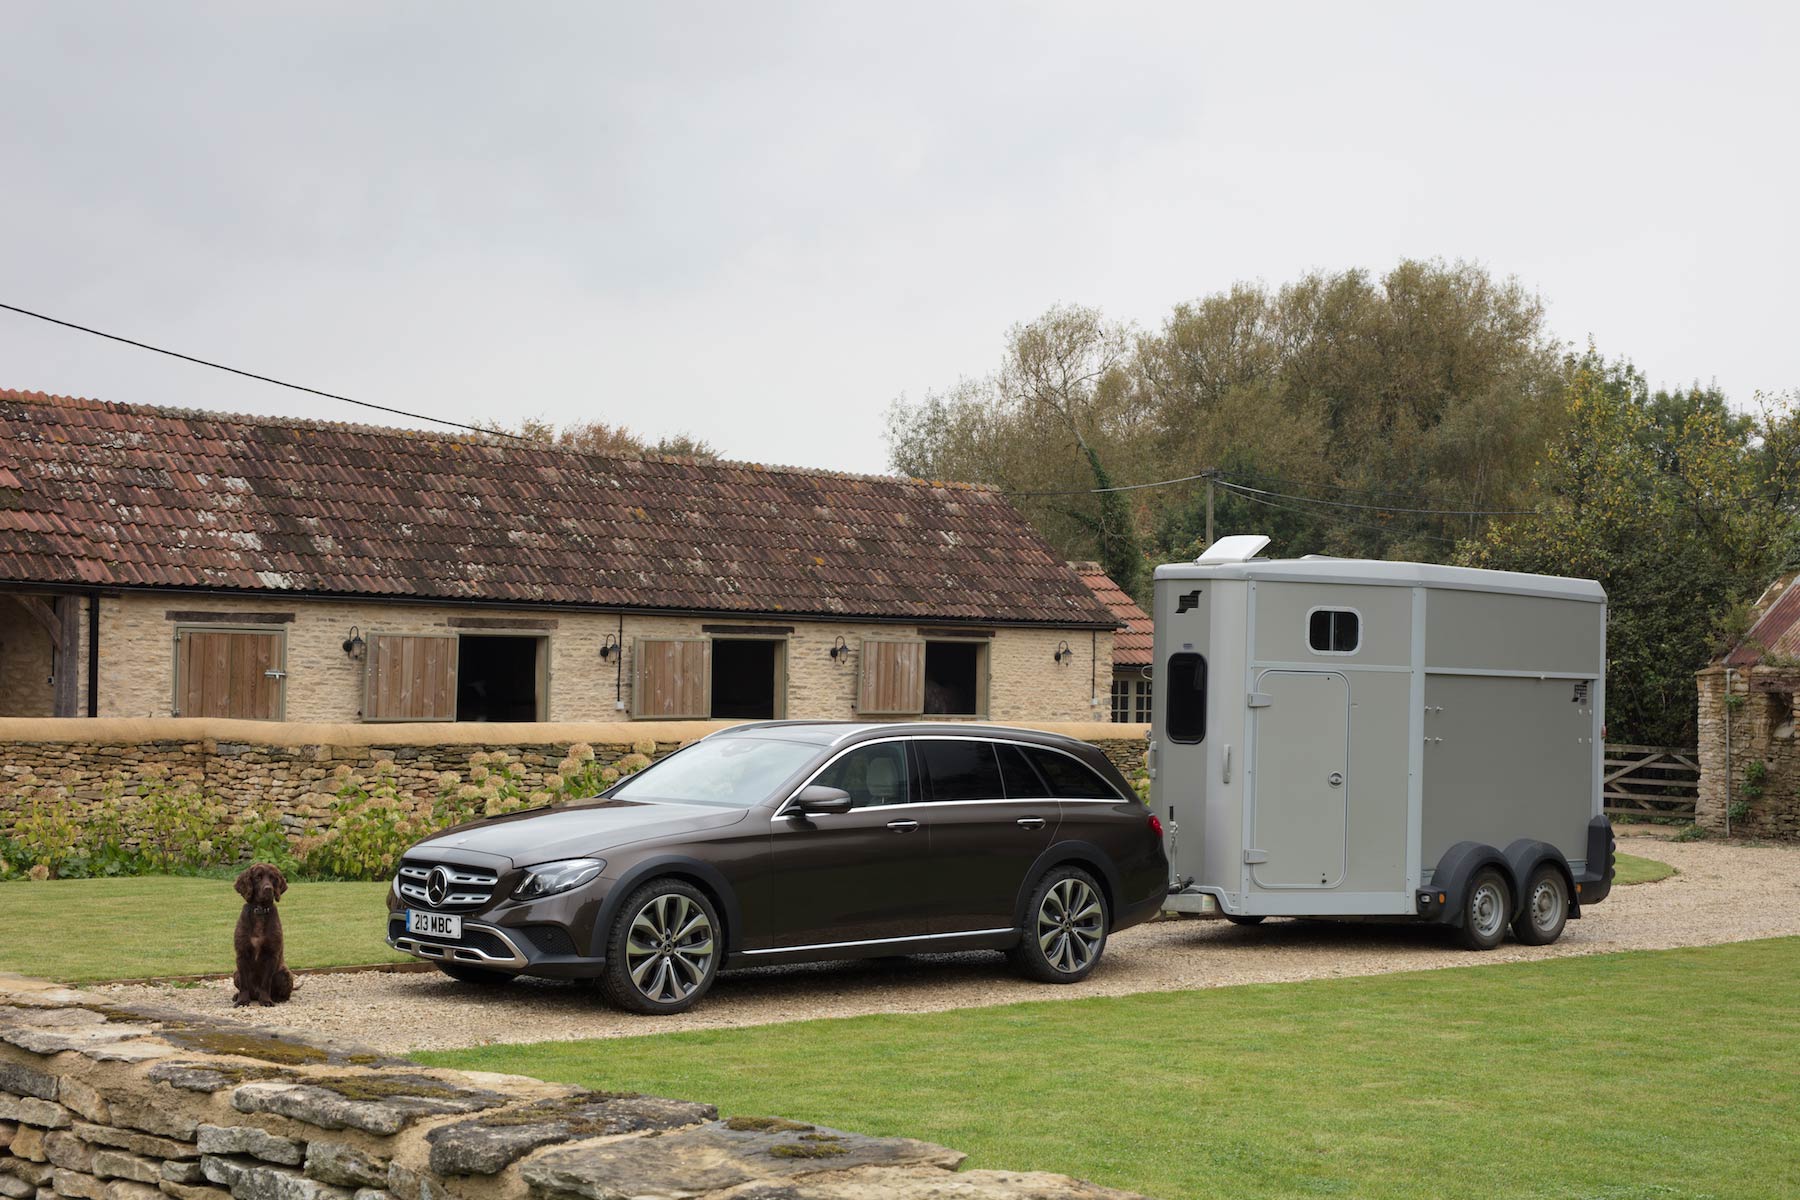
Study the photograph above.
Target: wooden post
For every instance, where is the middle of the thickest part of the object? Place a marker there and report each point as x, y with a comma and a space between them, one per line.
62, 625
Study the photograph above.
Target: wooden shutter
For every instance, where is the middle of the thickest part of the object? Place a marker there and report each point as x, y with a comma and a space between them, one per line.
230, 673
671, 678
893, 677
410, 677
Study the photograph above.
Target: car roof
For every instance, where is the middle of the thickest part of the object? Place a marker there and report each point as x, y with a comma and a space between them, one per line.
837, 733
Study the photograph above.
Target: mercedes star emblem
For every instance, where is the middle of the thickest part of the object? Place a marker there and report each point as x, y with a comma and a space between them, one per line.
437, 886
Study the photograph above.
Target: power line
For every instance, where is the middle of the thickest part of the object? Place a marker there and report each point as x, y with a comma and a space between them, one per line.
1434, 512
1265, 477
398, 412
1317, 515
1126, 487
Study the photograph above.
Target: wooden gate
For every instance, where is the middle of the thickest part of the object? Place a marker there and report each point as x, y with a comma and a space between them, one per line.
1651, 781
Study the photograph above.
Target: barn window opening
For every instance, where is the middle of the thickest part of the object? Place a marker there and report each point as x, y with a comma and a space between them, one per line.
498, 678
1781, 715
1187, 697
953, 678
1333, 631
745, 678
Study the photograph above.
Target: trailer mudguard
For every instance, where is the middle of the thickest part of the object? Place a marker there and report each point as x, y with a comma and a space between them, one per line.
1597, 880
1525, 856
1451, 878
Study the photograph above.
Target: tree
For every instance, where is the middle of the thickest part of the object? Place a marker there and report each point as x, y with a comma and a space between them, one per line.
1681, 508
607, 441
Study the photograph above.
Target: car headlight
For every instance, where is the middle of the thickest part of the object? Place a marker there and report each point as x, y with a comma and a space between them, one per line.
546, 879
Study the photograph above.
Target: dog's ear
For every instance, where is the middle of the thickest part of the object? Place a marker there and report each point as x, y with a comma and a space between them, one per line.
246, 882
280, 882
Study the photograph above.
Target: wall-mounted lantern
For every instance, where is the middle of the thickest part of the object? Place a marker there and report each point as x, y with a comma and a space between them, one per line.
609, 647
354, 645
840, 651
1064, 655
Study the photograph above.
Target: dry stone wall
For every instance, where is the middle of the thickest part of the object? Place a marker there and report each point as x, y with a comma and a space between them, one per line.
252, 764
103, 1103
1749, 756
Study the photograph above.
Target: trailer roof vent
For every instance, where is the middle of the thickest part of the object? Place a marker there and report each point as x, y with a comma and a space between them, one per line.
1239, 547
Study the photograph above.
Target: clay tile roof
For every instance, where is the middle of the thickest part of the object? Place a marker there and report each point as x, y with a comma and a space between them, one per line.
1132, 644
94, 492
1776, 630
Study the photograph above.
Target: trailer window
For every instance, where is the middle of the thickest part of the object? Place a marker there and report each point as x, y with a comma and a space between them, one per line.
1333, 631
1186, 697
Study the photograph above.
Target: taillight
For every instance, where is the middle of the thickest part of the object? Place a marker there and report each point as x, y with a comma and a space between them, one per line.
1156, 825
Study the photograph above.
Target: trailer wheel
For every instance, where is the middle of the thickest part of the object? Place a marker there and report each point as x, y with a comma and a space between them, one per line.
1487, 905
1065, 928
1238, 919
1546, 908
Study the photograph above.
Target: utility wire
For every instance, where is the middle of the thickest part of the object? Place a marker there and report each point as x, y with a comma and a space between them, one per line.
1434, 512
398, 412
1263, 477
1127, 487
1317, 515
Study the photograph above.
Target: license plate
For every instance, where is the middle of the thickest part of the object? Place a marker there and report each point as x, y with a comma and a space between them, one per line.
434, 924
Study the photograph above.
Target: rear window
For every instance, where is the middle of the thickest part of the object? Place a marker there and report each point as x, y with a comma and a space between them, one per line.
1185, 716
1022, 782
1069, 779
960, 770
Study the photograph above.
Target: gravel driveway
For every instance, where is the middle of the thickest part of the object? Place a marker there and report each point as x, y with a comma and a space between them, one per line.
1723, 894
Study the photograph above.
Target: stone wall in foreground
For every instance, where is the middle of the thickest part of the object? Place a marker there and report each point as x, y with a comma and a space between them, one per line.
250, 764
103, 1103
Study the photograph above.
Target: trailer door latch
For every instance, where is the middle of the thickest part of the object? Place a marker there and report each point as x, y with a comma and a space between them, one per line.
1259, 700
1253, 857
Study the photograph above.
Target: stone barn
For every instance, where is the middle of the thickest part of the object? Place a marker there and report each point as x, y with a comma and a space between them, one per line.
1749, 760
158, 562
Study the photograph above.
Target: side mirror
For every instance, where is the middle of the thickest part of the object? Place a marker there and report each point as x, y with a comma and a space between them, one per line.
821, 799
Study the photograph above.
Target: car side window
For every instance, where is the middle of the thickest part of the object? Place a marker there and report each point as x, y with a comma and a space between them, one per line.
959, 770
1021, 778
1069, 779
873, 775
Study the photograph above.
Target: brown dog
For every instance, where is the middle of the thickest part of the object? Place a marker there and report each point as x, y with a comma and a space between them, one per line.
262, 976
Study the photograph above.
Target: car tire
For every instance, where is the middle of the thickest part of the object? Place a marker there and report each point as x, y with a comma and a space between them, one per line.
1236, 919
663, 950
1486, 909
482, 976
1065, 928
1546, 908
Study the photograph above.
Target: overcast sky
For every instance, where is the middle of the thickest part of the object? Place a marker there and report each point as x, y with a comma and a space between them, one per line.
763, 222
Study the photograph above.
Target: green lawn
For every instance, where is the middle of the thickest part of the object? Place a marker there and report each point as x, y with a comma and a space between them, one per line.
1616, 1077
83, 930
1629, 868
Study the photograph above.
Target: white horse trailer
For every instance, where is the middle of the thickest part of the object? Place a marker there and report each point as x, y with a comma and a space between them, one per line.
1349, 738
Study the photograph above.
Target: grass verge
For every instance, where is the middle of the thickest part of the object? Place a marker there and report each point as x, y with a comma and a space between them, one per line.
1629, 869
1667, 1074
88, 930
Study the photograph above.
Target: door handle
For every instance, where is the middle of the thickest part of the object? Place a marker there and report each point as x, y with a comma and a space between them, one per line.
1032, 822
903, 826
1335, 779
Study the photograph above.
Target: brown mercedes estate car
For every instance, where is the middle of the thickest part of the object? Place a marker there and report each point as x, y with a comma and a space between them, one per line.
795, 841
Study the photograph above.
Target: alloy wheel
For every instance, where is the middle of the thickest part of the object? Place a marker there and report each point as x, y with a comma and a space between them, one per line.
1071, 924
669, 948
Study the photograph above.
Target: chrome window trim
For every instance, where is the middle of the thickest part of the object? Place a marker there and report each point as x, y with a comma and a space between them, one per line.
921, 937
781, 810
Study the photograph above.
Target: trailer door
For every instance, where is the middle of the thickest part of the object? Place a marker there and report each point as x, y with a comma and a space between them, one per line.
1301, 783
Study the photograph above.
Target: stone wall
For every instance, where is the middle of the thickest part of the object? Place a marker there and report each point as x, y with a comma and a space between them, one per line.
252, 764
1762, 742
103, 1103
137, 656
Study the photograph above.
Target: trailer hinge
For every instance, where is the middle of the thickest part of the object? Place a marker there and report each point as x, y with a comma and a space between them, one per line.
1259, 700
1253, 857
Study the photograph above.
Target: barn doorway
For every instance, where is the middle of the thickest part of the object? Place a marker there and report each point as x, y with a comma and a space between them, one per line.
746, 679
499, 678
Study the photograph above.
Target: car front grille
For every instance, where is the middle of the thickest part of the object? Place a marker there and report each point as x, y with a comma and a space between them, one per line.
460, 887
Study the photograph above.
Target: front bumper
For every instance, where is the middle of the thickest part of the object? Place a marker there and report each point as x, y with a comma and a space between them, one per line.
541, 949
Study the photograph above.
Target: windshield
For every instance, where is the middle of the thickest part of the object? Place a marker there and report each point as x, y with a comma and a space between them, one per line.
723, 772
